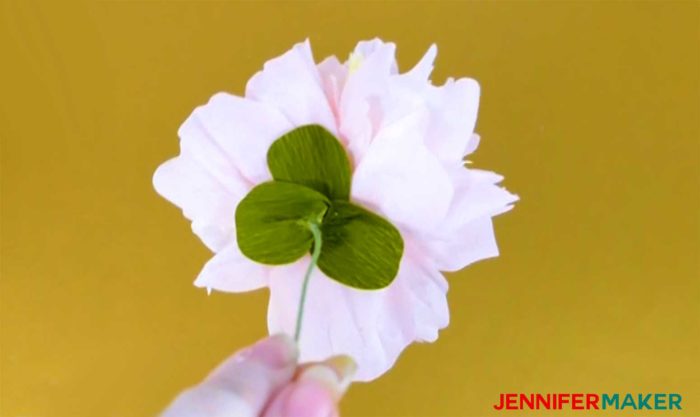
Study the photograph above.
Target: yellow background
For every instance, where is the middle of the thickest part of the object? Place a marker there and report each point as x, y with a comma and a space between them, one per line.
590, 110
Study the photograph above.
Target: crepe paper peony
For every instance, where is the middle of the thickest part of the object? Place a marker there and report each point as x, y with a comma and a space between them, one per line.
342, 188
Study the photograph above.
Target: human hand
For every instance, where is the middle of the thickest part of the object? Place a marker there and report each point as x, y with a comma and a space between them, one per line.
265, 380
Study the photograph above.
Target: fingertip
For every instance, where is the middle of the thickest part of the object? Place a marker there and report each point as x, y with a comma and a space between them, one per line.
253, 375
308, 398
312, 399
276, 351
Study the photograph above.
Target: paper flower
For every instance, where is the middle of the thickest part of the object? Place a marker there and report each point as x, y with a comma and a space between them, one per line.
280, 152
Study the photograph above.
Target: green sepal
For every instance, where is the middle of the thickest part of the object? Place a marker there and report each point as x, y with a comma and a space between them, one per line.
360, 249
310, 155
272, 221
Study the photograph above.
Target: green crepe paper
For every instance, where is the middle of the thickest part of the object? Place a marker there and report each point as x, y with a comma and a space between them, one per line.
311, 156
311, 189
360, 249
272, 221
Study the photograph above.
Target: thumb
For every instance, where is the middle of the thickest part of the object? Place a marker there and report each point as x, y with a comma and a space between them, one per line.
242, 384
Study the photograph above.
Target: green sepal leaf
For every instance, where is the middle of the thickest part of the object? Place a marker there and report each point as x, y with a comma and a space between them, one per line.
310, 155
272, 221
360, 249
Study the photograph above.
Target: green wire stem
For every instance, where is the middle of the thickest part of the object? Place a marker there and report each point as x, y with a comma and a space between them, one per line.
316, 232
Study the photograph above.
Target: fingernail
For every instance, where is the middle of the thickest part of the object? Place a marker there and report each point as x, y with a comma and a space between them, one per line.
277, 351
345, 367
335, 374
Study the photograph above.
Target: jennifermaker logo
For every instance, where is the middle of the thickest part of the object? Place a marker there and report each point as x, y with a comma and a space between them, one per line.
589, 401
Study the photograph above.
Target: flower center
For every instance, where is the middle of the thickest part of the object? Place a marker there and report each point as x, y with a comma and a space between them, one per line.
354, 62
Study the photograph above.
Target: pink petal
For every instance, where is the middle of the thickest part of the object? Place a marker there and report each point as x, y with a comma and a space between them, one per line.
285, 289
337, 319
472, 144
428, 289
466, 235
422, 70
203, 198
371, 326
203, 148
219, 142
291, 83
230, 271
402, 179
471, 242
242, 129
386, 51
333, 76
410, 92
453, 109
476, 195
365, 85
